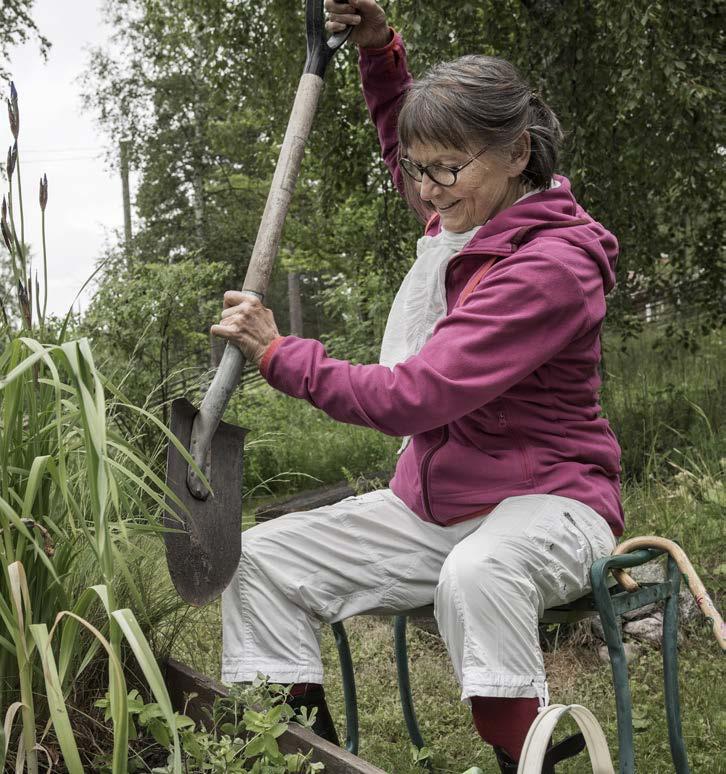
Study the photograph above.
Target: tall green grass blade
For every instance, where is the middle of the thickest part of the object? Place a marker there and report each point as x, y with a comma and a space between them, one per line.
102, 592
64, 327
35, 477
56, 702
140, 483
134, 636
178, 445
71, 628
117, 692
7, 646
148, 472
20, 756
122, 567
55, 381
7, 728
21, 368
87, 659
8, 511
20, 596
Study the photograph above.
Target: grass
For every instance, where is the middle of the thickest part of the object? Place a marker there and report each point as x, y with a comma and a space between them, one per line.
659, 399
292, 446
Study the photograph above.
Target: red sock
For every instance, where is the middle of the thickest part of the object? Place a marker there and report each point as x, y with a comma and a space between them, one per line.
300, 689
504, 722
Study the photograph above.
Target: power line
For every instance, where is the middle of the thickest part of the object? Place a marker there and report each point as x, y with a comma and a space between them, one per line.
69, 149
29, 162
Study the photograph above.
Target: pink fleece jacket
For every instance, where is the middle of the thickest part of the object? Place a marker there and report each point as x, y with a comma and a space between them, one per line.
503, 399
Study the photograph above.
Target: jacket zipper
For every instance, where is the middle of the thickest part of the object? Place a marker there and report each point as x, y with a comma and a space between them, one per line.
426, 462
425, 465
521, 446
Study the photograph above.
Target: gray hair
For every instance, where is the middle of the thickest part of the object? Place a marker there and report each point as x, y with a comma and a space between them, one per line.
481, 100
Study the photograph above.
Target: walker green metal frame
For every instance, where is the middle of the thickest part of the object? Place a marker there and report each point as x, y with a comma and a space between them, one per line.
611, 602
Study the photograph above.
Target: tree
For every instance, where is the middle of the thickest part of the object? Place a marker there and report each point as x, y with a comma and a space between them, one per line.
16, 27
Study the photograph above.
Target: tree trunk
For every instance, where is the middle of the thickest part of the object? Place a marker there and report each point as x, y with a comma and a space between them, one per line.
124, 163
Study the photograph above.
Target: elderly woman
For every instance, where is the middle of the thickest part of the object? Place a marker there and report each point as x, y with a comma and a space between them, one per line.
507, 488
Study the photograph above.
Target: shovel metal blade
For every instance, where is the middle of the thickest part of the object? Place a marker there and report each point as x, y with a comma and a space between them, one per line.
204, 555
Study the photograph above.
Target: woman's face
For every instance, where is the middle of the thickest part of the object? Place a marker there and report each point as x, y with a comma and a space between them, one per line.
482, 189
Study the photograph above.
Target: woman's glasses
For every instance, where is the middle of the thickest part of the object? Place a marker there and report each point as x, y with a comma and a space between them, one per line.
438, 173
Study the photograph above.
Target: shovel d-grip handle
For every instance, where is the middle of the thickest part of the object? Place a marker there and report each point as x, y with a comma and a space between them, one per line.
320, 49
227, 376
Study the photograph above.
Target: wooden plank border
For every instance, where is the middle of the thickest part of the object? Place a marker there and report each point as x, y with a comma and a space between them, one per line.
182, 679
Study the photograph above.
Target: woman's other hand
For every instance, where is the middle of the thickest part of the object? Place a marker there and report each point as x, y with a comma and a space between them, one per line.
247, 324
368, 19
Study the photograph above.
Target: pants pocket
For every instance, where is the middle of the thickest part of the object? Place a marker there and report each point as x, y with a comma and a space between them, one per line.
565, 556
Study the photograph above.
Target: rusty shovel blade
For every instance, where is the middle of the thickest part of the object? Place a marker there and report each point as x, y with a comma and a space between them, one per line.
203, 551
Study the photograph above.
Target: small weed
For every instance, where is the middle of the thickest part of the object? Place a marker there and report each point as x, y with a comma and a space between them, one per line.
240, 736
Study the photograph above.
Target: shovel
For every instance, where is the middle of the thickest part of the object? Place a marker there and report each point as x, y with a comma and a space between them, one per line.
203, 534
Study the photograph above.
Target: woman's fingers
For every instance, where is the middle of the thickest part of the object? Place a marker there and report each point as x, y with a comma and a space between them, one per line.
368, 19
234, 297
340, 16
338, 22
246, 306
333, 7
226, 332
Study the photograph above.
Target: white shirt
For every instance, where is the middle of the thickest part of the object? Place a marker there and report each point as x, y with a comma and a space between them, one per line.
421, 300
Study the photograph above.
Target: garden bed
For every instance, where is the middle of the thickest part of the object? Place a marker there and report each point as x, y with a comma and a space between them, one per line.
182, 680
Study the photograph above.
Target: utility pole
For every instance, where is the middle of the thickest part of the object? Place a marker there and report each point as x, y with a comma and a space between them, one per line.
124, 159
295, 303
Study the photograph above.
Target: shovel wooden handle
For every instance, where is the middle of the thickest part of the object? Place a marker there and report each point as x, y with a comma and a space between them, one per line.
259, 270
319, 53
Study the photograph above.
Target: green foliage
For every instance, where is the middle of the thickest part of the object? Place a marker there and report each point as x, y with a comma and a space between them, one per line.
74, 493
146, 315
240, 737
292, 446
659, 404
16, 27
70, 496
148, 716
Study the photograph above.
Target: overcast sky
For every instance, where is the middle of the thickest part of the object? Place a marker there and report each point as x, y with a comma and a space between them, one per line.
58, 138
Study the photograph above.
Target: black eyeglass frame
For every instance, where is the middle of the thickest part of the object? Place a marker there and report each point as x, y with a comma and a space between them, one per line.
423, 169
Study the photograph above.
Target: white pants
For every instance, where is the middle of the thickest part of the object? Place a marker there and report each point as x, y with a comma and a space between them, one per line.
490, 579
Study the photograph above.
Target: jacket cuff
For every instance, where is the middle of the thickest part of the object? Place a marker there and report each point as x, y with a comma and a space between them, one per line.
376, 51
379, 65
268, 353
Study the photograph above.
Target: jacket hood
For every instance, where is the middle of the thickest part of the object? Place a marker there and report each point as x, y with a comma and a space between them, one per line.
552, 213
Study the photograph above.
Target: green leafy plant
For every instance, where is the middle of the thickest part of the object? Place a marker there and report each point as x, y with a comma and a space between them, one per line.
73, 492
421, 755
241, 735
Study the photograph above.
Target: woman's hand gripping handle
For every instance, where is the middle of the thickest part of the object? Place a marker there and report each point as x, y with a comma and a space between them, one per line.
366, 17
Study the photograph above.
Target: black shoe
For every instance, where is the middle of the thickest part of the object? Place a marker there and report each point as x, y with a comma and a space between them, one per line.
506, 764
323, 725
567, 748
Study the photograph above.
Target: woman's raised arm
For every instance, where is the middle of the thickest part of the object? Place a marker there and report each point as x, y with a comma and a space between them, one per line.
384, 72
